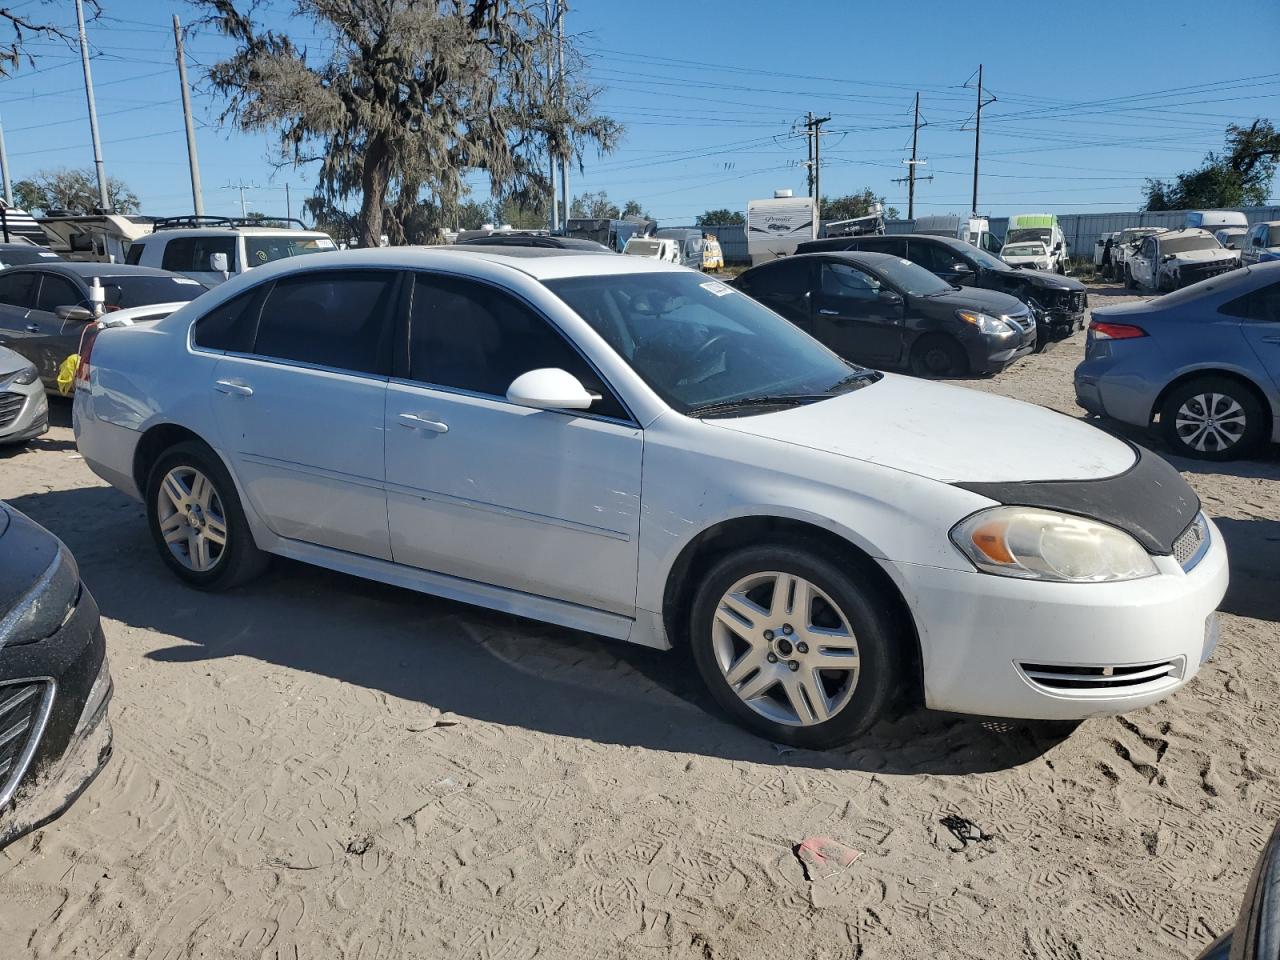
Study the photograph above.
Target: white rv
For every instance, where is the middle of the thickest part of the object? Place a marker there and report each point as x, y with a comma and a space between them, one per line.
775, 226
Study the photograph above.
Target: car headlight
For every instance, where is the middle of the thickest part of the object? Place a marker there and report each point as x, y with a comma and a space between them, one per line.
1034, 544
46, 606
24, 377
985, 322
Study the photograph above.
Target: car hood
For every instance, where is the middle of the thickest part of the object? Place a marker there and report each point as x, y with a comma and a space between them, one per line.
1202, 256
11, 362
1054, 281
975, 298
946, 433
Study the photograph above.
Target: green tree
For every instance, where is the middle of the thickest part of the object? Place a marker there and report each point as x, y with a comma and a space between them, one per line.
73, 190
27, 25
632, 208
717, 217
854, 205
597, 206
1239, 177
524, 215
407, 99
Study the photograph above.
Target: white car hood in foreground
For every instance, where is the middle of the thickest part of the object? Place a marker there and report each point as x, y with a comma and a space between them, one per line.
945, 433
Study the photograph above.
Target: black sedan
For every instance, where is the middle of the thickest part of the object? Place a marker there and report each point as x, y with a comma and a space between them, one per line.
54, 681
885, 311
1058, 302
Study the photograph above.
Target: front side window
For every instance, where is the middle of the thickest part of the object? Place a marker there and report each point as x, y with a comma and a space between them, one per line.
57, 292
848, 282
932, 257
341, 319
697, 342
470, 336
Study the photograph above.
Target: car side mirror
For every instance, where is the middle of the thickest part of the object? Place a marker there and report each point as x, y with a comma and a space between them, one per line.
218, 262
960, 268
549, 388
79, 314
1057, 248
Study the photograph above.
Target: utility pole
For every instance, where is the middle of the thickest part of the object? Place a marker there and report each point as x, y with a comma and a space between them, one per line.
288, 204
564, 161
808, 139
911, 178
4, 170
551, 154
817, 160
977, 137
104, 200
242, 186
197, 195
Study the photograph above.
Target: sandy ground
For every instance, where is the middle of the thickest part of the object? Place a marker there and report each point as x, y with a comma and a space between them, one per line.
316, 766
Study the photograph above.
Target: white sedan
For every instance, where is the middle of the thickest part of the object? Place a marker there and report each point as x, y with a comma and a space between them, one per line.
625, 447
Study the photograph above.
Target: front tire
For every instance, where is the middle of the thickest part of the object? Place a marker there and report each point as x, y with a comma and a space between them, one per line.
1129, 282
197, 522
793, 649
938, 356
1212, 418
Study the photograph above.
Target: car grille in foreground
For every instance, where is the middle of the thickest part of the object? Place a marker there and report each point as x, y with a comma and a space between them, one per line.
1023, 321
24, 708
10, 407
1192, 543
1075, 679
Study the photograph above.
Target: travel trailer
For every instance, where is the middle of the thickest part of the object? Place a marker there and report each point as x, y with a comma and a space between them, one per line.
776, 225
93, 237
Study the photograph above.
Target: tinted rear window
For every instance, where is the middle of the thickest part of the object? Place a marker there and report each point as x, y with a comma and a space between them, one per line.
260, 250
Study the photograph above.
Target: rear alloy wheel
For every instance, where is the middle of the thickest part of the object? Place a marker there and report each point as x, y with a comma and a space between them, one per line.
197, 522
938, 356
1212, 418
792, 649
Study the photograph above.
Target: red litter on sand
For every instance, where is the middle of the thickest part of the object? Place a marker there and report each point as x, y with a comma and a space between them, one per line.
823, 857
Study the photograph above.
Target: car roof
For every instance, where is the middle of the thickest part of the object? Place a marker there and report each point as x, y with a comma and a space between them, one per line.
84, 269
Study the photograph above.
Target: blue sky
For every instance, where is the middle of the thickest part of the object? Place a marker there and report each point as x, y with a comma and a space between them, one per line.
1092, 98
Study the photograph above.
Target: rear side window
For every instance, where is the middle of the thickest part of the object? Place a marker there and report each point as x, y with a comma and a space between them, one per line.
134, 256
57, 292
341, 319
1262, 305
229, 327
783, 277
472, 337
191, 254
933, 257
18, 289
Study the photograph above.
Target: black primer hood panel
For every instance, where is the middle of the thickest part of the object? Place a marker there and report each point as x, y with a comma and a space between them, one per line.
1150, 501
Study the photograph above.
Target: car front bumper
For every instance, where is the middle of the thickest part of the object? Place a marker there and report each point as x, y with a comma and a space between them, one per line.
24, 412
1001, 647
66, 734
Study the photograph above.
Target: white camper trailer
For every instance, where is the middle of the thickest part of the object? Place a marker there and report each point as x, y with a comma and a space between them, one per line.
775, 226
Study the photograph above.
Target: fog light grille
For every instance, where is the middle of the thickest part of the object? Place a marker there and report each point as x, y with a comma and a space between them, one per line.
1101, 678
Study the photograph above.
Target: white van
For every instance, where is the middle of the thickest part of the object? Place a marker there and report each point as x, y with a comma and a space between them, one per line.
1215, 220
972, 230
1039, 228
666, 249
777, 225
212, 249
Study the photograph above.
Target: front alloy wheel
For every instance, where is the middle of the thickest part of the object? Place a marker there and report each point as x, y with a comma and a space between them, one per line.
796, 643
785, 648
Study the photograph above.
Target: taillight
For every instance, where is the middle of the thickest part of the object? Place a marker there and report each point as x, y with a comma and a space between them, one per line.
1102, 330
87, 340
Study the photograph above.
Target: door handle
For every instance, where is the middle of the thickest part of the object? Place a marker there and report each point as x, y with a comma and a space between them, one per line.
233, 388
422, 423
1271, 339
828, 313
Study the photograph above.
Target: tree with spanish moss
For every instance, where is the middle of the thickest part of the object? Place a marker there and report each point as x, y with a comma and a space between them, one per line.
410, 97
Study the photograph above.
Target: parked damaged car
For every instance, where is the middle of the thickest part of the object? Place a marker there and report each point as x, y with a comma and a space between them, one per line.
1173, 259
1058, 302
54, 681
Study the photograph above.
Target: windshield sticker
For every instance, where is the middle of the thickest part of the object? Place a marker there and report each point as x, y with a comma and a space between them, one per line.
716, 287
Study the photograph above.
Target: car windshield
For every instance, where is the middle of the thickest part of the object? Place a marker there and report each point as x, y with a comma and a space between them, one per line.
699, 343
1042, 234
1024, 250
911, 278
1187, 244
139, 291
260, 250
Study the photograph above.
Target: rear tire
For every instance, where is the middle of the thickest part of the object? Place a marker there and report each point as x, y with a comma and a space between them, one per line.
846, 625
936, 355
1212, 418
197, 522
1129, 282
